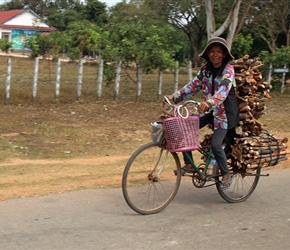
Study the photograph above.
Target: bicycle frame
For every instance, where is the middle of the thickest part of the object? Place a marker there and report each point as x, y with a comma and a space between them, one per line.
209, 157
152, 175
178, 110
163, 164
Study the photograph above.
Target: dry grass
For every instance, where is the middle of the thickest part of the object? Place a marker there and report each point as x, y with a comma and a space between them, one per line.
22, 79
48, 147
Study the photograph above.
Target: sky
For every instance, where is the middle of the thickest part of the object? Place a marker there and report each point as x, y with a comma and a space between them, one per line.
109, 2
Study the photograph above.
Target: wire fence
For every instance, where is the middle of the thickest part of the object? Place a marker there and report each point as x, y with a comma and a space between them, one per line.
40, 80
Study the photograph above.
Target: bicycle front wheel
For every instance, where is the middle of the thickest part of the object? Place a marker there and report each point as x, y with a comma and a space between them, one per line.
243, 185
151, 178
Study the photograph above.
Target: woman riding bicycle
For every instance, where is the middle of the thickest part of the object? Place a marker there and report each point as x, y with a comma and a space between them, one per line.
219, 107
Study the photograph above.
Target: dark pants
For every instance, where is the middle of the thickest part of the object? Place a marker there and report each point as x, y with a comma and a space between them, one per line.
216, 144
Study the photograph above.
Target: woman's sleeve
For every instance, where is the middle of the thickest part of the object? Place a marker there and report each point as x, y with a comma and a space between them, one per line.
189, 89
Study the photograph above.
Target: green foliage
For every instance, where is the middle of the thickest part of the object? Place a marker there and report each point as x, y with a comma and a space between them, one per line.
95, 12
148, 48
139, 40
73, 53
79, 38
60, 41
152, 34
83, 36
109, 73
242, 45
44, 44
279, 58
61, 20
32, 43
5, 45
187, 17
11, 5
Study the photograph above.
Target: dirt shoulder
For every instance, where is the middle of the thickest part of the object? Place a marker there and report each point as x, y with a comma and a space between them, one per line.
56, 148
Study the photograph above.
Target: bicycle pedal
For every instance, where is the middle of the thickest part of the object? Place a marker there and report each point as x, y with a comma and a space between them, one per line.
209, 177
183, 173
187, 174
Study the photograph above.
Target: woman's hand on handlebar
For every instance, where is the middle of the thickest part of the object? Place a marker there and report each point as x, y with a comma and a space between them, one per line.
167, 105
167, 99
203, 107
170, 97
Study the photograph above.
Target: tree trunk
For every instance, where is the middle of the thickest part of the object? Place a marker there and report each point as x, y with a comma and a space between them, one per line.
231, 21
234, 23
189, 70
196, 58
209, 18
288, 37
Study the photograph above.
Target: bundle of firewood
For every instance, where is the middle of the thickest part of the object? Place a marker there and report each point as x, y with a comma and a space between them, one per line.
205, 144
251, 148
259, 151
252, 92
251, 152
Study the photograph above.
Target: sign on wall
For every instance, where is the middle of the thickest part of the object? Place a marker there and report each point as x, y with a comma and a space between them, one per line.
19, 37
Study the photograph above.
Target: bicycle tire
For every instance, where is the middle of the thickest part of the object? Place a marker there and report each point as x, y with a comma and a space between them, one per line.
151, 178
244, 183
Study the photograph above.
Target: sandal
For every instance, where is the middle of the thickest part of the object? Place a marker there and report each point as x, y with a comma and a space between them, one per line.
224, 184
184, 170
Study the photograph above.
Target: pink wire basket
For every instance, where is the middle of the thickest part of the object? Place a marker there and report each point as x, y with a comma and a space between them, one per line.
182, 134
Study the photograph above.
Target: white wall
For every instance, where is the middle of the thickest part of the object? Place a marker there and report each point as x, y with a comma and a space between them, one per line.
25, 19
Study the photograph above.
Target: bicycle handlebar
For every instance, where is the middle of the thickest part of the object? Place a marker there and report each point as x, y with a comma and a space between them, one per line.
179, 110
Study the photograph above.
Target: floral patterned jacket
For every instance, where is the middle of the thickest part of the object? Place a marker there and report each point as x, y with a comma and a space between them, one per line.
218, 91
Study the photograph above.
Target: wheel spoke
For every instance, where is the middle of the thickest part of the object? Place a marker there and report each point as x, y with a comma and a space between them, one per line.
149, 181
243, 185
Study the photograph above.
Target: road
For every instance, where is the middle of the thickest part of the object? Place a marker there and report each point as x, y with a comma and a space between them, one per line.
196, 219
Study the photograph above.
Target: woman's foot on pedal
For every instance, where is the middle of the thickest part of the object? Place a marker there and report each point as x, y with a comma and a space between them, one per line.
226, 181
186, 169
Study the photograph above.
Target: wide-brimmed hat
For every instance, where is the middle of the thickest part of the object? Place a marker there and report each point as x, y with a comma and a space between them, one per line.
216, 40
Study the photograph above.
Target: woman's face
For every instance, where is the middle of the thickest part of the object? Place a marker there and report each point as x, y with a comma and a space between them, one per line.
216, 55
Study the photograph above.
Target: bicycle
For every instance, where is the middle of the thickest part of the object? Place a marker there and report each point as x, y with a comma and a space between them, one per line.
152, 175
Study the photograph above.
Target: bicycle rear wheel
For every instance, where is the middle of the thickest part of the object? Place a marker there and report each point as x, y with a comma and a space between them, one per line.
151, 178
243, 185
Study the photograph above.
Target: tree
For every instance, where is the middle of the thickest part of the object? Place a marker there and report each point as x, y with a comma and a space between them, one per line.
138, 41
268, 19
242, 45
280, 58
186, 16
230, 22
80, 38
5, 45
61, 20
61, 15
40, 7
197, 18
45, 44
83, 39
96, 12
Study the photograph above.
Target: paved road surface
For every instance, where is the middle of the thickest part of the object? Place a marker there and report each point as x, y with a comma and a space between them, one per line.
196, 219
